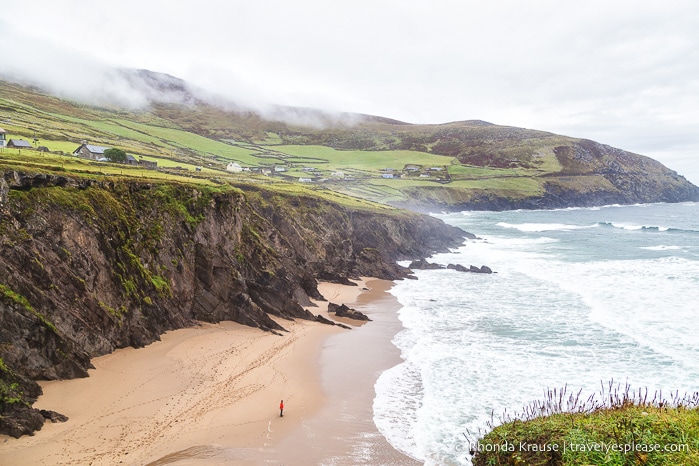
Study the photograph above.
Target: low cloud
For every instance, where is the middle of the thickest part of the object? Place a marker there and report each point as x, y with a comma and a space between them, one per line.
75, 76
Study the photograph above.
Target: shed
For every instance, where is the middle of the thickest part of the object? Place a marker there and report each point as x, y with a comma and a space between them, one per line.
149, 165
18, 144
130, 160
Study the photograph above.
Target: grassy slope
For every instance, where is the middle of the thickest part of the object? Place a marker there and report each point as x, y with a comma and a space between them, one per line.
477, 158
168, 135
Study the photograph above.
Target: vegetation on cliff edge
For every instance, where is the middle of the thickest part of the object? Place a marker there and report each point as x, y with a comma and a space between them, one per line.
620, 428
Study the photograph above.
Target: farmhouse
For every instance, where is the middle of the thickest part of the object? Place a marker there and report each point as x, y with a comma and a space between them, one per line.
18, 144
88, 151
234, 167
131, 160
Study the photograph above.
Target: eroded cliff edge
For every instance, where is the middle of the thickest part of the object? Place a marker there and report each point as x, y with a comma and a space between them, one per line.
89, 266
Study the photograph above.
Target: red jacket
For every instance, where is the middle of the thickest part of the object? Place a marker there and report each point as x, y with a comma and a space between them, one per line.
281, 405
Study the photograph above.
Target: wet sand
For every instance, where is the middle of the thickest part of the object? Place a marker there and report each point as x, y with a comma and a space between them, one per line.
210, 395
343, 431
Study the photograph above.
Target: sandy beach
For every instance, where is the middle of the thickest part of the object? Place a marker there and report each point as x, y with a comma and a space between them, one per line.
210, 395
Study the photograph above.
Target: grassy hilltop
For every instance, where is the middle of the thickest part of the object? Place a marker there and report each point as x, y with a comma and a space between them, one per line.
469, 164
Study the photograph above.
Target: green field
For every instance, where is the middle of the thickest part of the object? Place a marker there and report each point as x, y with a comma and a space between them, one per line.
359, 159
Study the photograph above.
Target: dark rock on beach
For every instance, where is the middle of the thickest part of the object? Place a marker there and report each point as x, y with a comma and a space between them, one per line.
343, 310
323, 320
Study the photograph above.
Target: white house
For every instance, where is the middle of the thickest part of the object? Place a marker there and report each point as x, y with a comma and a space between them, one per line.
234, 167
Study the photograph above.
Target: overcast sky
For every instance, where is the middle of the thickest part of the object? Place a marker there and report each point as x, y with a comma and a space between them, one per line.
624, 73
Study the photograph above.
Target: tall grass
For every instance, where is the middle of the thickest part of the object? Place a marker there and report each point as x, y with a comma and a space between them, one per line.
610, 396
617, 425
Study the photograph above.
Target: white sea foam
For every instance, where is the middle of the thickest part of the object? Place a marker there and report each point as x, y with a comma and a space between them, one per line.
576, 307
539, 227
661, 247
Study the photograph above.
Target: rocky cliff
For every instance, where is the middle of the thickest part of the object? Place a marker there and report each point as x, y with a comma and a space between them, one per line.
90, 266
587, 174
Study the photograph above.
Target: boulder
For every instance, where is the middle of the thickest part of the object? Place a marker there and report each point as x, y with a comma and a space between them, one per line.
344, 311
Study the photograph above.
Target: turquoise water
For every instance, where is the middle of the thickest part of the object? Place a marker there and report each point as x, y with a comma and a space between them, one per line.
580, 297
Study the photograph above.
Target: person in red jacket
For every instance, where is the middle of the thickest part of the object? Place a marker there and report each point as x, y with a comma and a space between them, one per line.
281, 409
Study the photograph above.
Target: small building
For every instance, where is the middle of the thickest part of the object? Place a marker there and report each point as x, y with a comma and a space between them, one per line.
387, 175
3, 135
88, 151
305, 180
147, 164
338, 174
234, 167
42, 149
130, 160
18, 144
279, 169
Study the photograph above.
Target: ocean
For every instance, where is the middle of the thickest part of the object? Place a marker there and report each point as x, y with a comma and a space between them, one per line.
580, 297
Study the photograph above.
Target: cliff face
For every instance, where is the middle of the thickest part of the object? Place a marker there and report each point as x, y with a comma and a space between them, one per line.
89, 267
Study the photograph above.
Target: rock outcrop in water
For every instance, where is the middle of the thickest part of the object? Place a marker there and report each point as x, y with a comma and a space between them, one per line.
422, 264
87, 267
